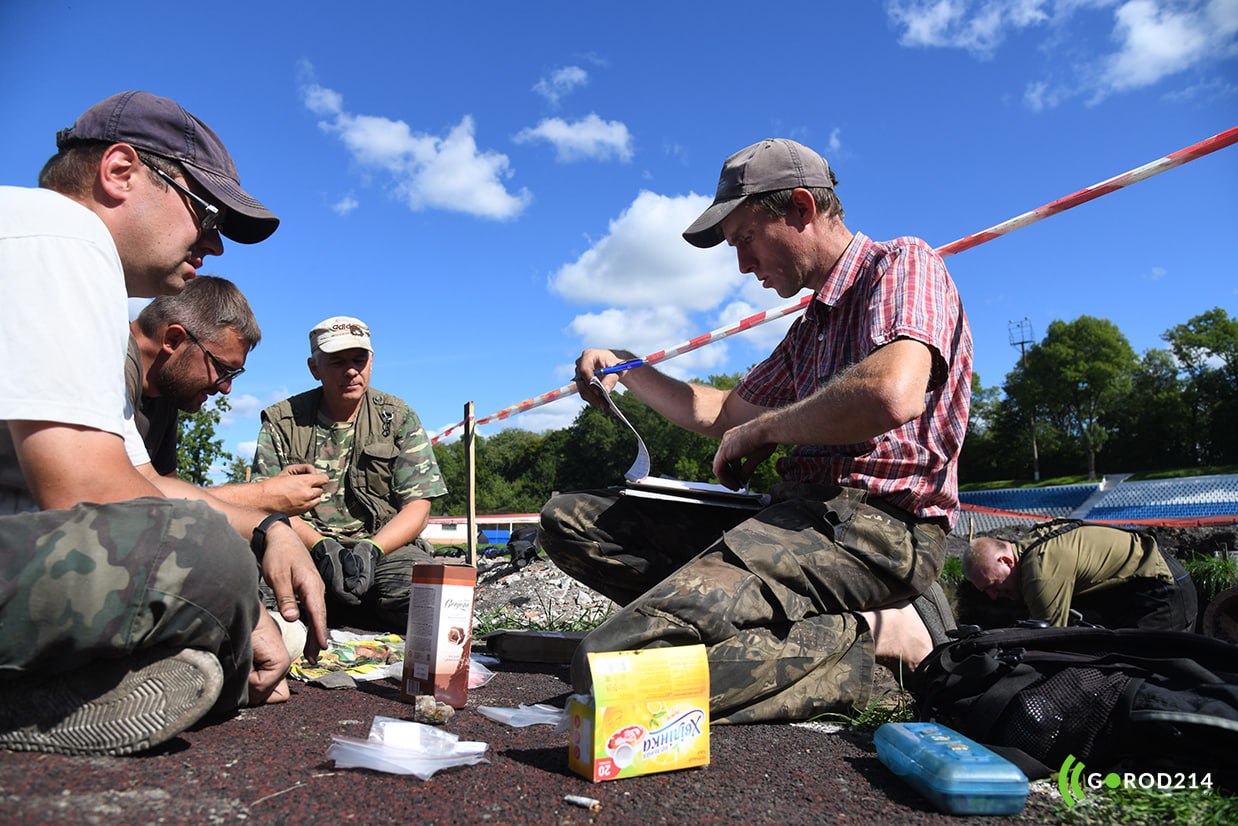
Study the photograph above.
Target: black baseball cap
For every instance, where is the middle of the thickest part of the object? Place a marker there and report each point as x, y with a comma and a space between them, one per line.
164, 128
767, 166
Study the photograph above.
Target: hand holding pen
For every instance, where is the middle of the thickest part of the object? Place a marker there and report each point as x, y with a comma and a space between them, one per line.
599, 364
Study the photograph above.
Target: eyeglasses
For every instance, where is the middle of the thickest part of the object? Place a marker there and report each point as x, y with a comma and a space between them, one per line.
210, 220
223, 372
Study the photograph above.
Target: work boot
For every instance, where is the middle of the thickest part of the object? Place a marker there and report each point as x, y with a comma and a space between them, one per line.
110, 706
934, 611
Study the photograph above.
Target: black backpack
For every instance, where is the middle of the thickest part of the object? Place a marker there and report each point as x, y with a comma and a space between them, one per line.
1115, 700
523, 545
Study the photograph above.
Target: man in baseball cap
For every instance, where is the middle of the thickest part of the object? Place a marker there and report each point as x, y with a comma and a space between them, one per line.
339, 333
771, 165
163, 127
365, 533
870, 389
135, 198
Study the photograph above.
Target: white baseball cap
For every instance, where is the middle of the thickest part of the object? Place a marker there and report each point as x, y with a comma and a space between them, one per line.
337, 333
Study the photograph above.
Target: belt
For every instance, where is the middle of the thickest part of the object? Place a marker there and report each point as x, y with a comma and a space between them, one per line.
824, 493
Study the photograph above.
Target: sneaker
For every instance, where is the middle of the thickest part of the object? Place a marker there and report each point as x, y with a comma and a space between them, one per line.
110, 707
935, 613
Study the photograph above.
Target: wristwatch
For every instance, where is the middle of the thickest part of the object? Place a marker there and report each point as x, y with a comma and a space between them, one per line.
258, 542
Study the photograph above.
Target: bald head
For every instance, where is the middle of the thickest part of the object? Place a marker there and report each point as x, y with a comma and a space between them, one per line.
989, 564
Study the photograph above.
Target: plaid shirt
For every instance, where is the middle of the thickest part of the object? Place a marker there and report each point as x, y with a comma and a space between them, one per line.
879, 292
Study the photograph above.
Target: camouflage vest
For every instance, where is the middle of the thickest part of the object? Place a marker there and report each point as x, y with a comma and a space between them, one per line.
367, 480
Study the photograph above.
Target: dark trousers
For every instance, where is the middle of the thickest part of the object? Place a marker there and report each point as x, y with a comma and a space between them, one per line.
1144, 603
773, 595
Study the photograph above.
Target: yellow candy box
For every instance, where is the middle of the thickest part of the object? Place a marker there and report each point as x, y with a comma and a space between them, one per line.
649, 713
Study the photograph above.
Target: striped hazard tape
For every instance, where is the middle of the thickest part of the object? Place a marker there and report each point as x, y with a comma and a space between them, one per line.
1190, 153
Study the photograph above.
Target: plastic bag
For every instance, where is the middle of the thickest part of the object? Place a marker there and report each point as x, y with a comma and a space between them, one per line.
402, 747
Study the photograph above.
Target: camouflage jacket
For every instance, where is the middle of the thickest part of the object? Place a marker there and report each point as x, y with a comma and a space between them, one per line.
390, 462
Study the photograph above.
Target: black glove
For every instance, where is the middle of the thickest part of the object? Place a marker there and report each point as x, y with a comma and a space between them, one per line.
348, 572
368, 553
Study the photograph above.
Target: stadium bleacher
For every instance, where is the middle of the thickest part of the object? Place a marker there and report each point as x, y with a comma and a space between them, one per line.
1184, 498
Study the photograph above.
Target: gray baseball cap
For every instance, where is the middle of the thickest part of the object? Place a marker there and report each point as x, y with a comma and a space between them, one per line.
164, 128
768, 166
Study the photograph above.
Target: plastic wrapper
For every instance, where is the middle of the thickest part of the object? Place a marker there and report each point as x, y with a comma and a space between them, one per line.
402, 747
523, 715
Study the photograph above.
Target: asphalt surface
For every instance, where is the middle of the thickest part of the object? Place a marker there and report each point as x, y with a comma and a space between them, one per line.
268, 765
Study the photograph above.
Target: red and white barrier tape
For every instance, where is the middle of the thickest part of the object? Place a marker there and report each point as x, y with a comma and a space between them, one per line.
1190, 153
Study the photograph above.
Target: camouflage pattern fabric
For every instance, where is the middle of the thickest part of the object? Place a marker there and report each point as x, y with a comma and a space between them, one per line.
330, 517
101, 582
415, 474
773, 599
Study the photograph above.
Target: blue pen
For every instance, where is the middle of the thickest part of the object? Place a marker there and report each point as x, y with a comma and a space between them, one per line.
619, 368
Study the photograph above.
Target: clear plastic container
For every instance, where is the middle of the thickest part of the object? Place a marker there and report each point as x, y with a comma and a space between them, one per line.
956, 774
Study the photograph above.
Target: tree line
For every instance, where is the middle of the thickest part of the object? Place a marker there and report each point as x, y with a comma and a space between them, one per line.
1082, 395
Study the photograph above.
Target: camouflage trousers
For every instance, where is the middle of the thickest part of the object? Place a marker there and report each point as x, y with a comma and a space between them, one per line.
773, 595
97, 582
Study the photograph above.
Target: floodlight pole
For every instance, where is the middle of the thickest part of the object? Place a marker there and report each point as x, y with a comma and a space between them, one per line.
1021, 336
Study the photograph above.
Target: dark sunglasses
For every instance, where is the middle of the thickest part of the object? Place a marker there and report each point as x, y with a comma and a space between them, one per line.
210, 219
223, 372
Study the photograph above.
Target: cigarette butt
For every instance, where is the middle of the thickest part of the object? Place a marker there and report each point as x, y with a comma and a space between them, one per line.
589, 803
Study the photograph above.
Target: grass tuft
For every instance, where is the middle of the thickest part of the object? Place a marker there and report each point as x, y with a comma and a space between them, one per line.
1189, 807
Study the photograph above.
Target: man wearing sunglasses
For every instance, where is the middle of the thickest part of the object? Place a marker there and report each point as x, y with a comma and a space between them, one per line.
128, 611
171, 368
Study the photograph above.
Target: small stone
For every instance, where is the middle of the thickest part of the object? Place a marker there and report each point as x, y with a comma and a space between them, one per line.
426, 709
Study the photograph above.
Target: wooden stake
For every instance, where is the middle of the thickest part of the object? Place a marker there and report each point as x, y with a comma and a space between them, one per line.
470, 477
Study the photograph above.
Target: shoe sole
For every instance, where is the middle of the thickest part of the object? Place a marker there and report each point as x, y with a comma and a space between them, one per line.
111, 708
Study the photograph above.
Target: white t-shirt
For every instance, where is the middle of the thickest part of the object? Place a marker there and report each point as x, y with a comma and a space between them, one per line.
64, 320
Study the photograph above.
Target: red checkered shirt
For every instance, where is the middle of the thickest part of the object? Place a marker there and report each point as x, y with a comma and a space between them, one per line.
876, 293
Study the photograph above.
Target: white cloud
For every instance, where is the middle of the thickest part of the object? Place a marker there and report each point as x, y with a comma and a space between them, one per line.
1158, 39
590, 138
345, 205
560, 82
557, 415
1153, 39
644, 262
835, 143
659, 292
1039, 96
979, 26
242, 406
427, 171
246, 449
648, 330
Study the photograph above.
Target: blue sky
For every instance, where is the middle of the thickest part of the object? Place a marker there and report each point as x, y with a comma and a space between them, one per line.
493, 187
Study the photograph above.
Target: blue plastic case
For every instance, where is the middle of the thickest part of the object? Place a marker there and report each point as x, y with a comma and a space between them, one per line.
958, 775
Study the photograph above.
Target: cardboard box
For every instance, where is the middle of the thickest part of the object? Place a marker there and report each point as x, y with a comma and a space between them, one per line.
649, 712
440, 633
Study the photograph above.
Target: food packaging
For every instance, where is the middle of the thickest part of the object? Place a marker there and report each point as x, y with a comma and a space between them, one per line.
440, 631
648, 712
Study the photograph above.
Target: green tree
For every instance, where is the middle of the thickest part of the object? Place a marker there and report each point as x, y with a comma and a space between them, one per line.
980, 456
1206, 349
237, 470
1153, 429
1076, 378
197, 447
